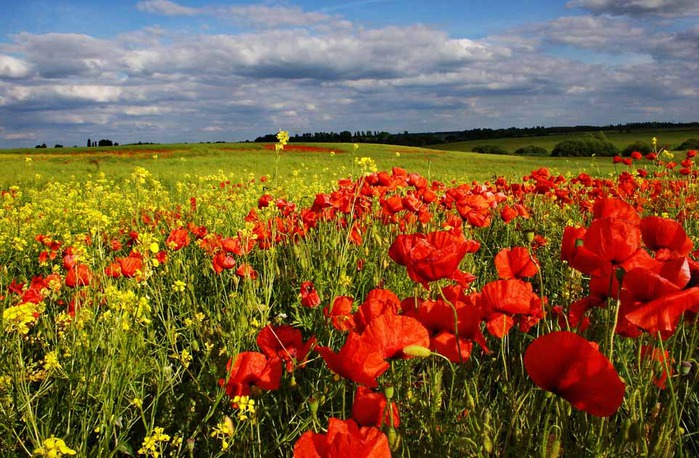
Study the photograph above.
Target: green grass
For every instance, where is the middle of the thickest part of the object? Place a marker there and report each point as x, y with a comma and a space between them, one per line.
667, 138
173, 163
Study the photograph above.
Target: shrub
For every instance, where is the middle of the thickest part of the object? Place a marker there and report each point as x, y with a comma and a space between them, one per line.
532, 150
584, 146
640, 146
490, 149
690, 143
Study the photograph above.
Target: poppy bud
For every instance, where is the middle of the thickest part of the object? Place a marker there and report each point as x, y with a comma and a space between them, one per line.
579, 243
685, 367
529, 235
388, 391
393, 439
555, 449
313, 406
417, 350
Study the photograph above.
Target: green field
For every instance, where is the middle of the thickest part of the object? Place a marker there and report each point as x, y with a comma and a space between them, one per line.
172, 163
667, 138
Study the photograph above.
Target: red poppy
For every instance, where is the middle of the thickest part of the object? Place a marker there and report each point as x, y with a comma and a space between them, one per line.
389, 334
570, 366
79, 275
369, 409
178, 239
251, 369
666, 237
246, 271
285, 342
309, 296
223, 261
433, 256
340, 313
358, 360
130, 265
344, 439
516, 262
377, 302
661, 360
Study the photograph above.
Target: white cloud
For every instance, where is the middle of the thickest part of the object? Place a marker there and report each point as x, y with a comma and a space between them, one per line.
166, 7
263, 16
11, 67
638, 7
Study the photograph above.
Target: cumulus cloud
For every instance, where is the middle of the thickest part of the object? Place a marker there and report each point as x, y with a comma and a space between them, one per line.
158, 85
166, 7
11, 67
638, 7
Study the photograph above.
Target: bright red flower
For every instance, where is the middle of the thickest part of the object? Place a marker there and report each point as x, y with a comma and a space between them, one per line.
246, 271
309, 296
79, 275
661, 359
344, 439
570, 366
516, 263
377, 302
223, 261
433, 256
251, 369
358, 360
130, 265
341, 313
285, 342
666, 237
389, 334
178, 239
369, 409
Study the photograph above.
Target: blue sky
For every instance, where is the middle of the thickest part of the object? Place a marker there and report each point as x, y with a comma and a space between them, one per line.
167, 71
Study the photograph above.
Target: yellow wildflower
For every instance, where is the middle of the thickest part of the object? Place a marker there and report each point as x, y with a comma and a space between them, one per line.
53, 448
151, 444
51, 361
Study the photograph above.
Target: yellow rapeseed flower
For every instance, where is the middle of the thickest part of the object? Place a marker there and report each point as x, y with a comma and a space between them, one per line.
53, 448
151, 444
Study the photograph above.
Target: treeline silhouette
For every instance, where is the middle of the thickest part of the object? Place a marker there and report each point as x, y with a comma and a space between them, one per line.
433, 138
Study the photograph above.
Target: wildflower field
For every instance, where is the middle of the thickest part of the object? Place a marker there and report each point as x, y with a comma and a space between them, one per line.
335, 308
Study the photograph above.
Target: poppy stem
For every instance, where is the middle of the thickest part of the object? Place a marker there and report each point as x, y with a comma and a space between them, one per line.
612, 332
456, 322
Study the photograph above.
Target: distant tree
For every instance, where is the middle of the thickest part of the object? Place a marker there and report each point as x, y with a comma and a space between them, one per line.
58, 145
489, 149
690, 143
346, 136
105, 142
532, 150
640, 146
584, 146
89, 143
43, 145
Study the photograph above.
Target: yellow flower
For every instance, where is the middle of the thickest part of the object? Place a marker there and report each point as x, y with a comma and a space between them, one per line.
283, 137
150, 446
51, 361
20, 317
53, 448
179, 286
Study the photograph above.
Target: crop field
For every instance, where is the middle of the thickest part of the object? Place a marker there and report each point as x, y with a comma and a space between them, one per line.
261, 300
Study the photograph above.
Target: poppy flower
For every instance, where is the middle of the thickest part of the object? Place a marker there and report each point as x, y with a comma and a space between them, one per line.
309, 296
251, 369
340, 313
369, 409
130, 265
357, 360
376, 303
661, 359
433, 256
515, 263
389, 334
79, 275
343, 439
285, 342
666, 237
223, 261
573, 368
178, 239
246, 271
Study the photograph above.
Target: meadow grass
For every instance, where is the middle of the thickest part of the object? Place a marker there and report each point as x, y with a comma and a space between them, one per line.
131, 360
171, 163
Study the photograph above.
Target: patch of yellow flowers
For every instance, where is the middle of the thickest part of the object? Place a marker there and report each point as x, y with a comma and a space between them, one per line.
53, 448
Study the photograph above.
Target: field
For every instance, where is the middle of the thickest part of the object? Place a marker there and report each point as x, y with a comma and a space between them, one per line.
341, 300
667, 138
327, 162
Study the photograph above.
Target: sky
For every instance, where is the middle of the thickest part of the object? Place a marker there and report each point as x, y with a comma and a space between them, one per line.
188, 71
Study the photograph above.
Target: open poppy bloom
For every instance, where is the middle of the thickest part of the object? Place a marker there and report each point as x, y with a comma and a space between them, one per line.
369, 409
433, 256
309, 296
285, 342
389, 334
515, 263
573, 368
78, 275
358, 360
343, 439
178, 239
340, 314
251, 369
